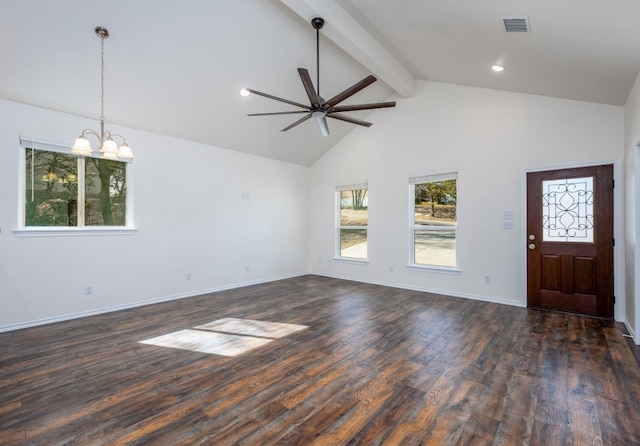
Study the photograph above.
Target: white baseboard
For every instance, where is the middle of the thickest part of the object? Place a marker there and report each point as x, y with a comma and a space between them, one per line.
426, 290
67, 317
631, 332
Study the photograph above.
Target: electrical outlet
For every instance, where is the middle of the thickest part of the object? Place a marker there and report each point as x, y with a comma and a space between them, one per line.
188, 276
487, 279
247, 268
508, 224
88, 289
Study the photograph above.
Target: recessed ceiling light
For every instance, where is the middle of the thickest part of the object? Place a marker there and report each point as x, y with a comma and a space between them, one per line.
497, 68
245, 92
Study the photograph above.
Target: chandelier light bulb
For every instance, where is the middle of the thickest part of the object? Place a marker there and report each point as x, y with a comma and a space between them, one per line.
109, 147
82, 146
125, 151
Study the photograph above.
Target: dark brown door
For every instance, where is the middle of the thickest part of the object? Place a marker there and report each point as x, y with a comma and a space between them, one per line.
570, 240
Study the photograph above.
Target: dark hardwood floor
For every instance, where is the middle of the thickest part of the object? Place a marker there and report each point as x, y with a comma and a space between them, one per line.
377, 365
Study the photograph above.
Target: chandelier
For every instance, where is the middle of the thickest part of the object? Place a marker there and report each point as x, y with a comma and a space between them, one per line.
107, 146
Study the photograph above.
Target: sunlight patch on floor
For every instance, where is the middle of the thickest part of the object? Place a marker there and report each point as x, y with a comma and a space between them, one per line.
249, 327
225, 337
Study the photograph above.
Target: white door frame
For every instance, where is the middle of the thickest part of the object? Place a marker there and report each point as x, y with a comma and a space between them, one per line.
636, 233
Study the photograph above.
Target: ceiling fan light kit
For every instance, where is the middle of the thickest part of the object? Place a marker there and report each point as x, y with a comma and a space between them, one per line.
319, 108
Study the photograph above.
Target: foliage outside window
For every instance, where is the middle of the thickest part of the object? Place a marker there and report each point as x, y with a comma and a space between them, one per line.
353, 205
434, 219
63, 189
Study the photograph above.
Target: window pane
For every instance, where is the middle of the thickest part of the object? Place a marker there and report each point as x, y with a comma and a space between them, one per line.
435, 247
567, 210
435, 203
354, 207
435, 220
51, 192
353, 243
105, 192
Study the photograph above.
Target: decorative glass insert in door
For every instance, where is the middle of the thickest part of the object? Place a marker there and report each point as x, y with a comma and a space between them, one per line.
567, 210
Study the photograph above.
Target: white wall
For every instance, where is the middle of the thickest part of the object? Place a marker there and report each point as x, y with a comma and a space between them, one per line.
632, 167
491, 137
190, 217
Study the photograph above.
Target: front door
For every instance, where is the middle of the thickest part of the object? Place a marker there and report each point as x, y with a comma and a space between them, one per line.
570, 240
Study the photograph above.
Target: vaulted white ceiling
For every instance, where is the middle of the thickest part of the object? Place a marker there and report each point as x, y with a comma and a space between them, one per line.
176, 68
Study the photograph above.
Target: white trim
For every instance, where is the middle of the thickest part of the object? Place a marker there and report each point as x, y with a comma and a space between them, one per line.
339, 188
351, 260
433, 268
436, 228
81, 194
631, 333
361, 184
104, 310
447, 293
636, 237
436, 175
618, 233
424, 177
63, 231
37, 143
50, 145
22, 187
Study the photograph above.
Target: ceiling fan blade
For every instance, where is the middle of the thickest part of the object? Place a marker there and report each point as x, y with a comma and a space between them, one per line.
343, 108
278, 113
351, 91
349, 119
324, 128
275, 98
299, 121
308, 86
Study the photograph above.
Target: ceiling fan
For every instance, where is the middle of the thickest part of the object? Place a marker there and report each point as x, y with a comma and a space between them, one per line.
319, 108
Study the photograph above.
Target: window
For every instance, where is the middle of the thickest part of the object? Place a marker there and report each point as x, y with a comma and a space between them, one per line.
62, 189
352, 219
567, 210
434, 219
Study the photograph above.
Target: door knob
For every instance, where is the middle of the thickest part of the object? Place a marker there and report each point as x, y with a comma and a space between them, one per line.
532, 246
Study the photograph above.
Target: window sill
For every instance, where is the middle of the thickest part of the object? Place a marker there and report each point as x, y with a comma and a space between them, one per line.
434, 268
351, 260
73, 232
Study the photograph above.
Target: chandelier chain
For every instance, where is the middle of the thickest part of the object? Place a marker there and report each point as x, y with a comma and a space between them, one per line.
102, 79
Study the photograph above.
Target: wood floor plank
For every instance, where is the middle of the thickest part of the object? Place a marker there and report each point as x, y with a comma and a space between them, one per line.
376, 365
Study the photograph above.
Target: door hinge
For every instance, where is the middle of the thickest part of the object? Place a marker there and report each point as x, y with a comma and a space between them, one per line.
614, 299
614, 242
614, 184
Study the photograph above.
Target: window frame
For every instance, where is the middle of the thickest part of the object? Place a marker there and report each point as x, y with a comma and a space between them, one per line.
426, 177
338, 227
36, 143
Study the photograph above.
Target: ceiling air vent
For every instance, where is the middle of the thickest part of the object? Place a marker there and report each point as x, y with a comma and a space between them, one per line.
516, 24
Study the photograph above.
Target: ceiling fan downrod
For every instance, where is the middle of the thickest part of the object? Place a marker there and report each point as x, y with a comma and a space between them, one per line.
317, 23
